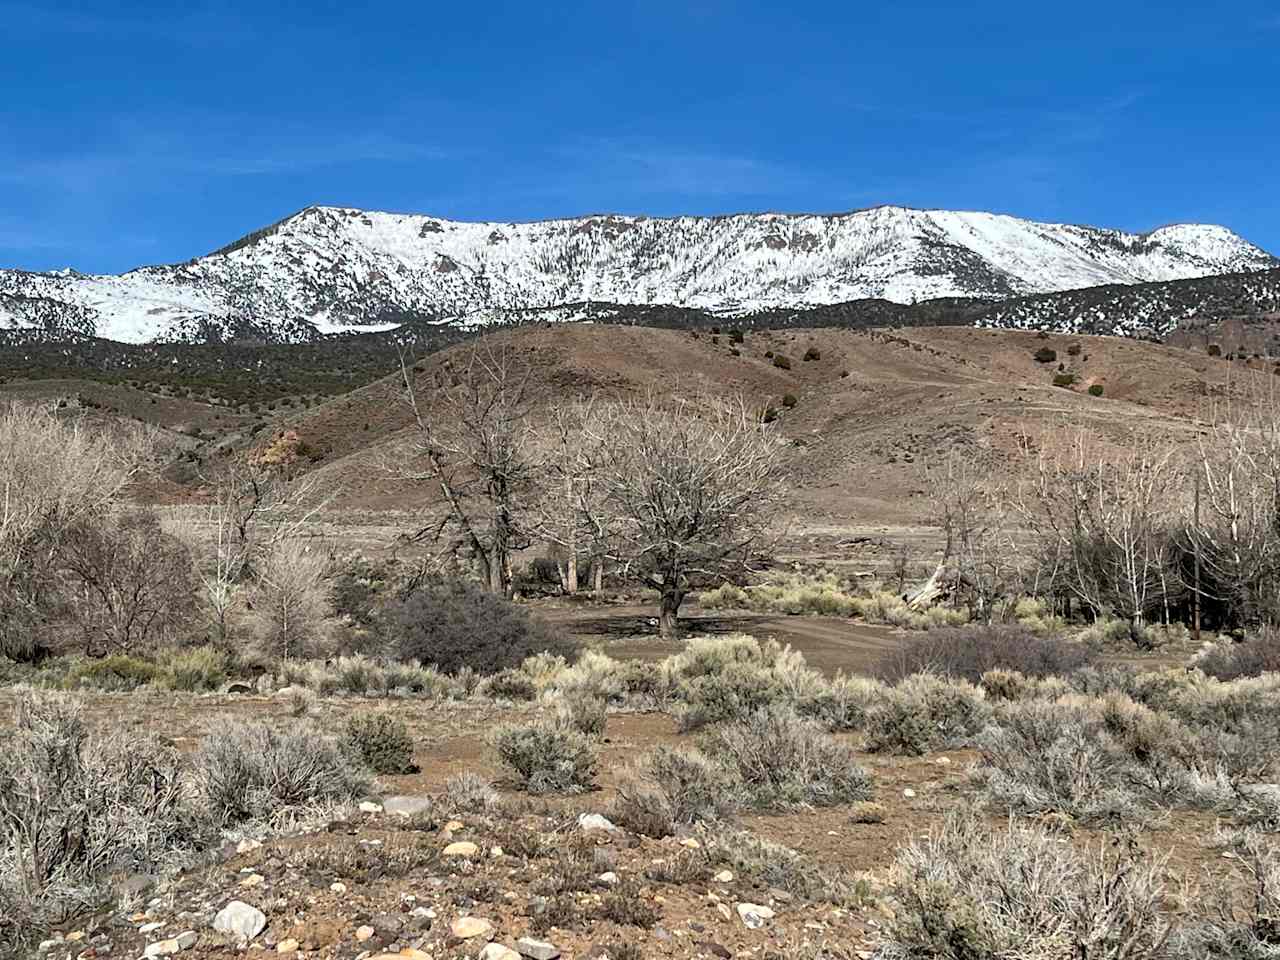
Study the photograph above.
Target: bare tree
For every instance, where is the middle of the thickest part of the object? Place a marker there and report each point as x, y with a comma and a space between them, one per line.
57, 475
569, 511
686, 488
130, 584
473, 444
1235, 534
1103, 519
290, 598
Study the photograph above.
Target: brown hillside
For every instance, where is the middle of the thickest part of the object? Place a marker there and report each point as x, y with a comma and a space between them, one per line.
861, 439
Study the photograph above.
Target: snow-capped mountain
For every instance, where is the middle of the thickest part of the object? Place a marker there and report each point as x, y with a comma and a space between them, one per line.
329, 269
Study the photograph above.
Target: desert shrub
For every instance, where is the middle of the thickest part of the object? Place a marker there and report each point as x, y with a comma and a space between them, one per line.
1045, 355
291, 599
727, 596
792, 594
509, 684
585, 712
924, 712
1063, 379
1252, 657
195, 669
118, 672
782, 362
468, 791
1096, 390
1214, 350
813, 353
790, 401
844, 703
736, 336
889, 608
380, 741
734, 692
1248, 930
244, 771
75, 806
548, 756
968, 893
782, 761
454, 624
969, 652
669, 787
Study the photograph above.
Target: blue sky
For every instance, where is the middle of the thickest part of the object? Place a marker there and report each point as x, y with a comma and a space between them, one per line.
138, 132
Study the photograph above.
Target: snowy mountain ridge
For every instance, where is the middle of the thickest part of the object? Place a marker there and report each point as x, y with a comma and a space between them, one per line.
332, 269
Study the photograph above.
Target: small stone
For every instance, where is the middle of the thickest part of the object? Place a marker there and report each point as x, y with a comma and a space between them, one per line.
162, 948
754, 915
908, 793
463, 848
288, 945
691, 843
423, 913
364, 933
368, 806
724, 876
47, 945
595, 821
248, 844
74, 937
408, 953
253, 880
150, 927
468, 928
944, 760
240, 920
453, 826
496, 951
608, 877
406, 806
186, 940
716, 950
780, 895
338, 887
536, 949
724, 911
496, 852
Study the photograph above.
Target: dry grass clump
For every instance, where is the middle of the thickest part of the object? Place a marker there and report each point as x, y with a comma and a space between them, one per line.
1248, 930
774, 865
794, 594
968, 652
891, 609
669, 787
1228, 660
968, 892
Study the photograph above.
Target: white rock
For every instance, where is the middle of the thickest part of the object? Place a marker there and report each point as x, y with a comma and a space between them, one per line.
724, 876
151, 927
496, 951
406, 805
468, 928
595, 821
186, 940
287, 946
536, 949
244, 846
240, 920
368, 806
908, 793
463, 848
338, 887
754, 915
364, 933
608, 877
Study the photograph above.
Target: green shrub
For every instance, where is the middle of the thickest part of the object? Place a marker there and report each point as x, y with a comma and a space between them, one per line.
381, 742
1064, 379
509, 684
736, 336
585, 711
813, 353
1045, 355
453, 624
782, 362
245, 771
1095, 390
781, 761
199, 668
732, 693
547, 756
789, 400
116, 672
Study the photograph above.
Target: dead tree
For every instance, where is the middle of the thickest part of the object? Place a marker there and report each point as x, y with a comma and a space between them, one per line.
472, 443
687, 489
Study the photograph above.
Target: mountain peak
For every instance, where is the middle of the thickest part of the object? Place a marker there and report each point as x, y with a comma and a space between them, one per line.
330, 268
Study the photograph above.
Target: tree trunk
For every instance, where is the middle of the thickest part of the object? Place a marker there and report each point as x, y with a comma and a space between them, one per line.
669, 619
571, 580
597, 576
